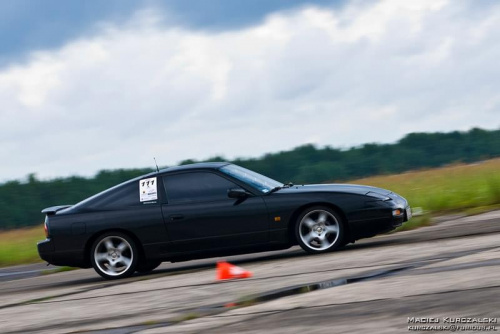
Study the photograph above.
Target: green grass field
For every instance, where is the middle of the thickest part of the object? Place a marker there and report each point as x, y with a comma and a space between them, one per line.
453, 188
472, 188
19, 246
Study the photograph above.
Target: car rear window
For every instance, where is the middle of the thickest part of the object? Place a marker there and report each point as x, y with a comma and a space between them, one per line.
126, 195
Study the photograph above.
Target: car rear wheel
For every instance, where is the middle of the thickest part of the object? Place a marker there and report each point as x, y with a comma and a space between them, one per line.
319, 229
147, 266
114, 255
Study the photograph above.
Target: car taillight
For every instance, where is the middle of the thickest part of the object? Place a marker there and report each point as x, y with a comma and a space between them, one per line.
46, 229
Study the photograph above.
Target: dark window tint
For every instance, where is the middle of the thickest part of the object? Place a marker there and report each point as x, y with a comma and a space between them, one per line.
126, 195
196, 187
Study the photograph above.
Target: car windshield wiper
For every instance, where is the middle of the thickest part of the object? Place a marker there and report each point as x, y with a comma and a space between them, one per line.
285, 185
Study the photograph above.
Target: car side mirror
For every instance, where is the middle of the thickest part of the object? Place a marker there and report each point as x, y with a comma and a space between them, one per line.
237, 193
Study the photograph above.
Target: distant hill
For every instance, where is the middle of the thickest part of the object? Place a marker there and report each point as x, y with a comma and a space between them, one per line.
21, 202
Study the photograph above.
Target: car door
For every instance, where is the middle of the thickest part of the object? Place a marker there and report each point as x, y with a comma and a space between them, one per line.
199, 215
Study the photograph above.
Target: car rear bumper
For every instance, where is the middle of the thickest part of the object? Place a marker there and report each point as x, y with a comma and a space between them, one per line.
47, 252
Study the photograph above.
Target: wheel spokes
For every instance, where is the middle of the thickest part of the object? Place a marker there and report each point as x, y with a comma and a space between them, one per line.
121, 247
125, 260
100, 257
308, 238
309, 222
112, 267
109, 244
322, 217
331, 229
323, 241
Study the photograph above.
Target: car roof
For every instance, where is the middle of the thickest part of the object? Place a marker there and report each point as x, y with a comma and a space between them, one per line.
199, 165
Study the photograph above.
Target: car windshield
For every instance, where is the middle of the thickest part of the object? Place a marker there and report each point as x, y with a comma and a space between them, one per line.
253, 179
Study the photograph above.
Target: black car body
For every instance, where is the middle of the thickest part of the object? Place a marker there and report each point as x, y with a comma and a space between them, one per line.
210, 209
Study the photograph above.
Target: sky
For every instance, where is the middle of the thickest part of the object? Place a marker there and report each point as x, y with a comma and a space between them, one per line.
93, 85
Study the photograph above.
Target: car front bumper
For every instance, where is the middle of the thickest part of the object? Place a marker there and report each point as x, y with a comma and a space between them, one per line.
398, 220
387, 222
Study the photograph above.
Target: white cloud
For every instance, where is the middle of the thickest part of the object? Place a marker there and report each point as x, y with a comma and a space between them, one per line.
369, 72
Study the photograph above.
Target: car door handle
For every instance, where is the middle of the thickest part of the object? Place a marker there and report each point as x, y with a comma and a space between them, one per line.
176, 217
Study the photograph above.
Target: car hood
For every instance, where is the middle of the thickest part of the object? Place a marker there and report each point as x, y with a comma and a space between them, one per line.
338, 188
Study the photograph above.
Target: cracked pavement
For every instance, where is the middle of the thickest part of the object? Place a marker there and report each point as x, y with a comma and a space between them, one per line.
449, 269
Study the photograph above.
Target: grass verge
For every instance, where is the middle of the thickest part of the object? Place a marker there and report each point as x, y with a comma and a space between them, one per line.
467, 188
57, 270
453, 188
19, 246
415, 222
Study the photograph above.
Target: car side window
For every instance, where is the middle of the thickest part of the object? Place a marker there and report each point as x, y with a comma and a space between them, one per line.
196, 187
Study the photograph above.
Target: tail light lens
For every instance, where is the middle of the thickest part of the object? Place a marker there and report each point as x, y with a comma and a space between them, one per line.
46, 229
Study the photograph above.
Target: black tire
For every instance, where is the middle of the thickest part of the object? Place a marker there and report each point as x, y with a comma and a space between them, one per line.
147, 266
319, 229
114, 255
344, 243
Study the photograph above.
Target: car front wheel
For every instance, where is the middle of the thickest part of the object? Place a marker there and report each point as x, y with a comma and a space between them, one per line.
114, 255
319, 229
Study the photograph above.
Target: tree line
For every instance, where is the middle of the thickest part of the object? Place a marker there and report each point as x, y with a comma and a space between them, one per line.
22, 201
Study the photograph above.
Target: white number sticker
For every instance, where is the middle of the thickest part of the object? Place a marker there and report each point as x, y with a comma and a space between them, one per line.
148, 190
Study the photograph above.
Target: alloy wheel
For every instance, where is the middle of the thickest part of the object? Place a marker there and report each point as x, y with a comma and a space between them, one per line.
113, 255
319, 230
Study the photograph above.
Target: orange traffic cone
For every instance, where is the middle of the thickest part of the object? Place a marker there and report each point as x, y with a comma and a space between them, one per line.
227, 270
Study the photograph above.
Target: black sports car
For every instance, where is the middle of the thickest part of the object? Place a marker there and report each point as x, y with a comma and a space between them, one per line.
211, 209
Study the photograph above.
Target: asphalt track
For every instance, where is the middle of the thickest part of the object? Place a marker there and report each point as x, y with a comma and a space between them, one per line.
445, 271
